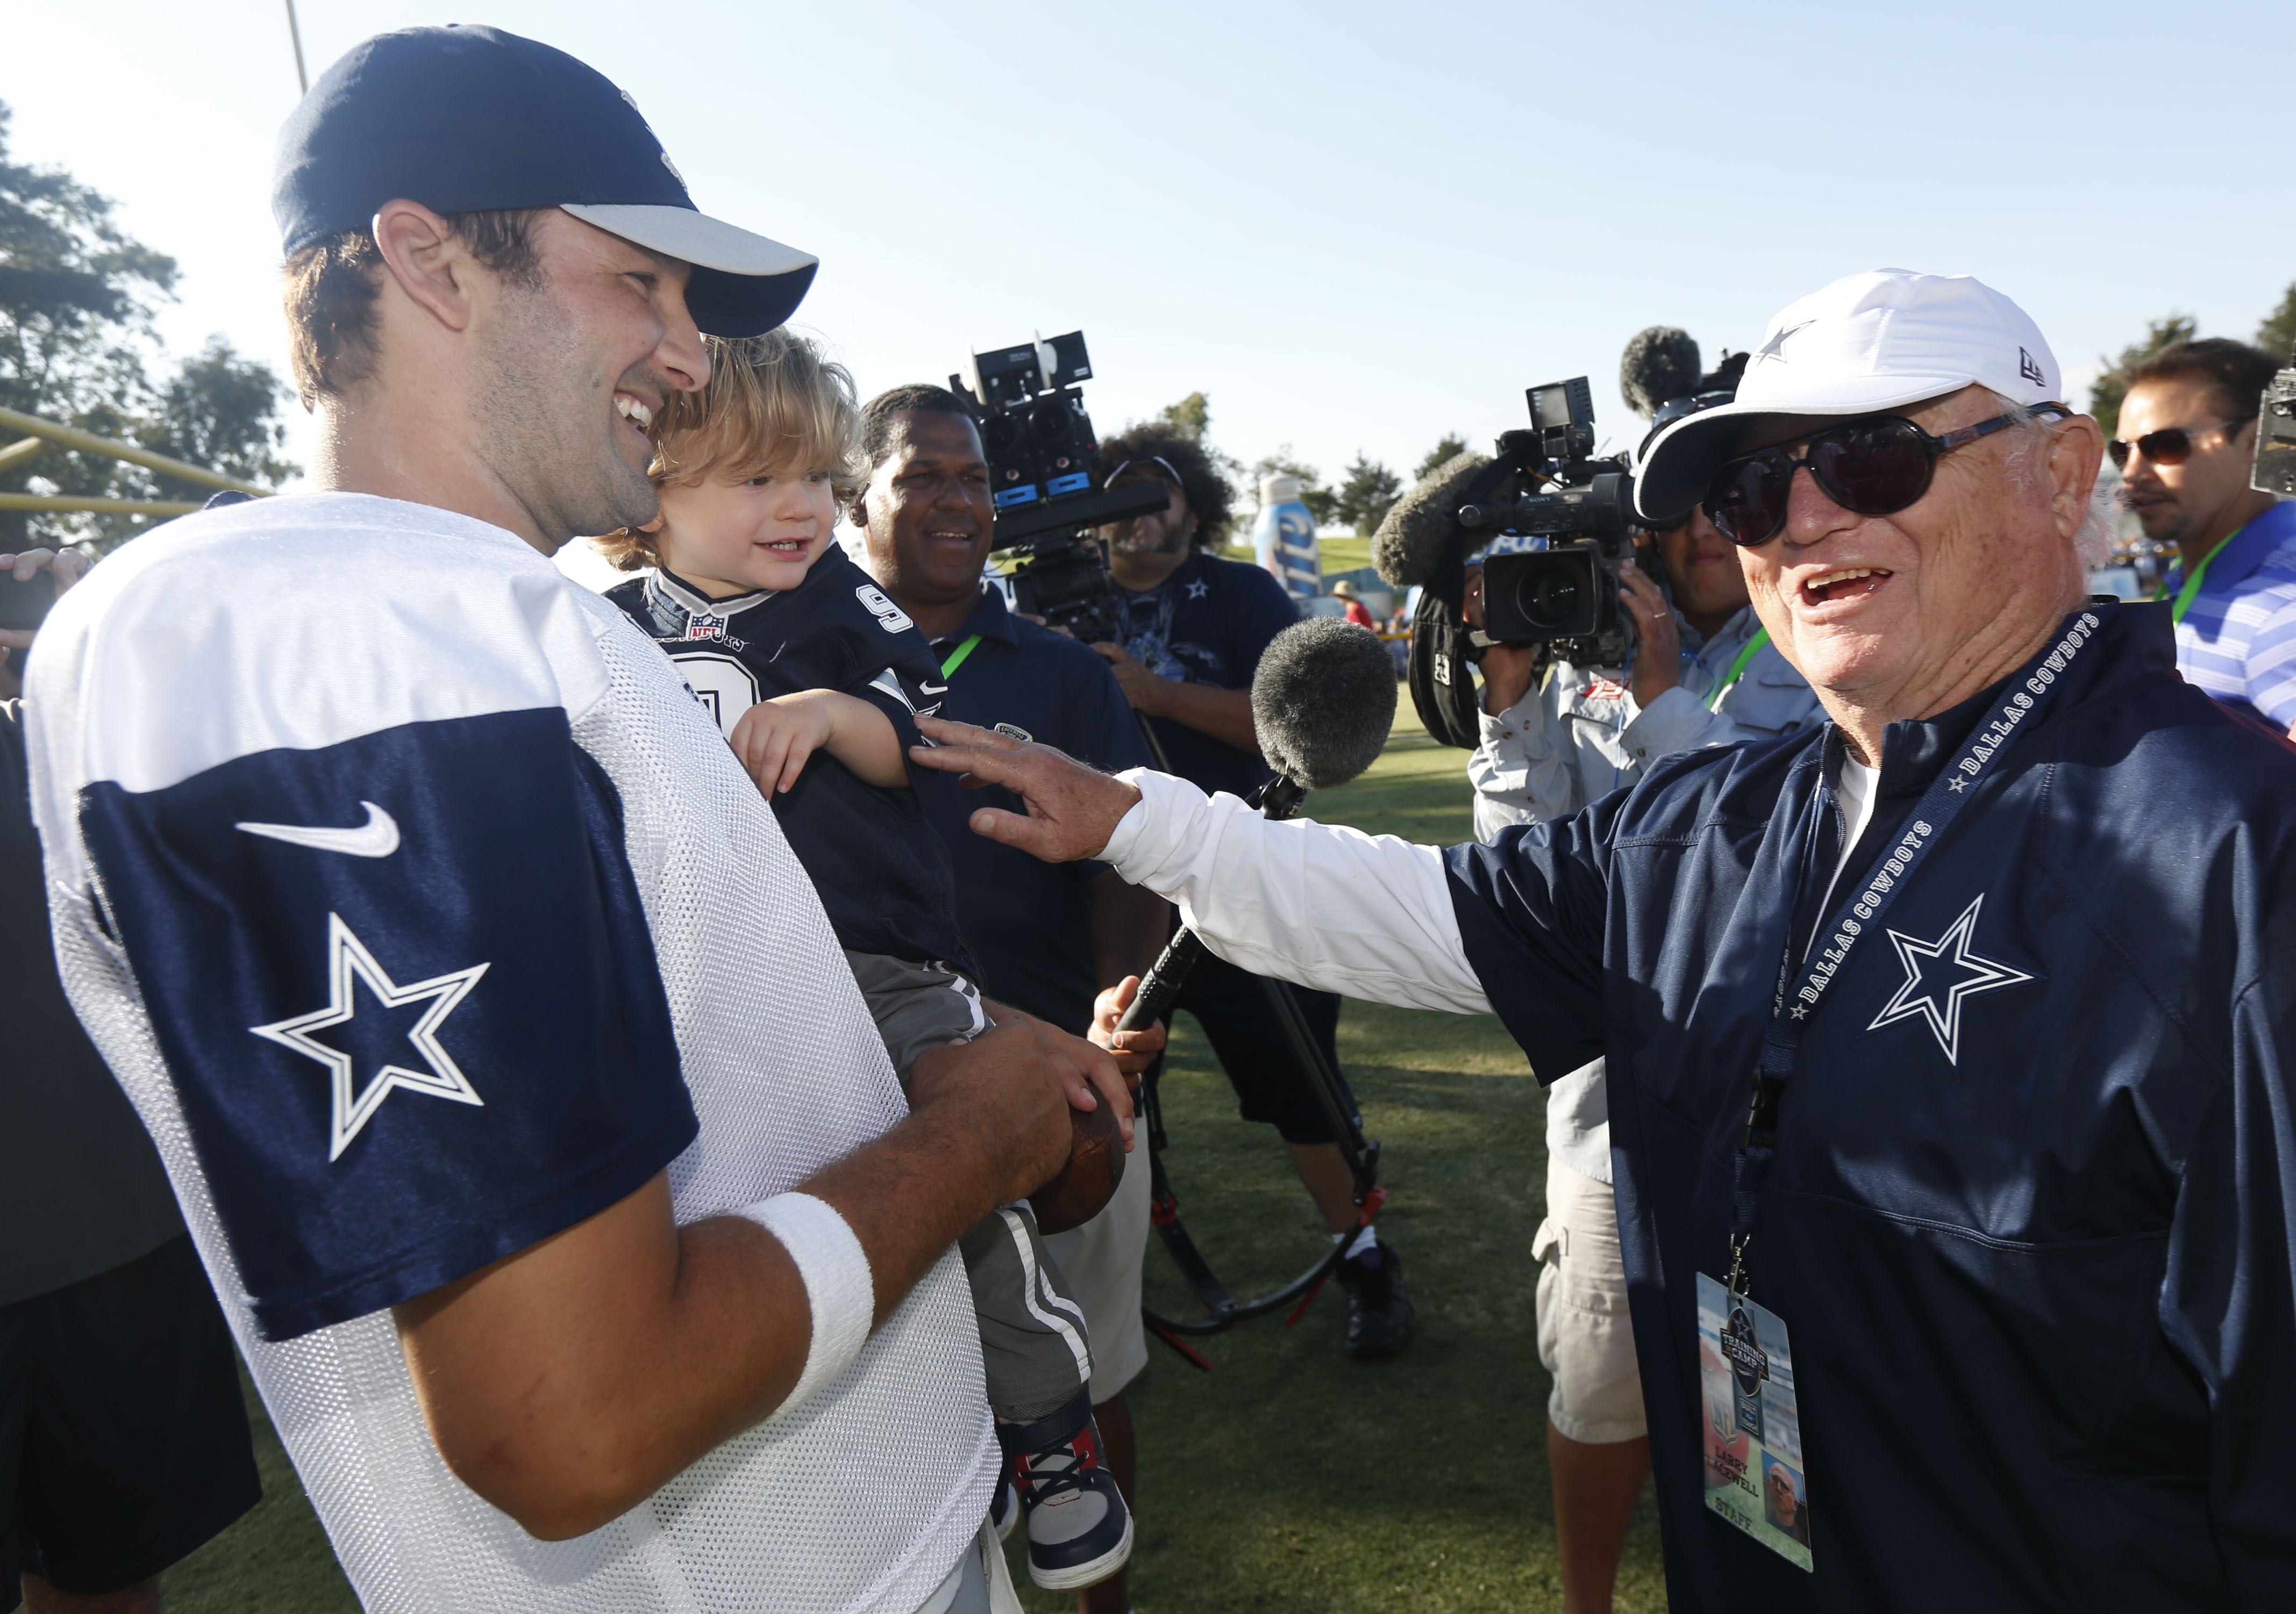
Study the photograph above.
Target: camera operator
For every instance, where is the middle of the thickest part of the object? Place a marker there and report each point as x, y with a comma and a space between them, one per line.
2021, 1329
1051, 938
1704, 673
1194, 626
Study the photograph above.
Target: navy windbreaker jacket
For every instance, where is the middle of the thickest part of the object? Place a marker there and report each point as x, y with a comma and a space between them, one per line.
2032, 1219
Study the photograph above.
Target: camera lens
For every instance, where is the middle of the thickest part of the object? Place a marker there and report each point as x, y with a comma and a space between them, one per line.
1004, 434
1550, 597
1052, 427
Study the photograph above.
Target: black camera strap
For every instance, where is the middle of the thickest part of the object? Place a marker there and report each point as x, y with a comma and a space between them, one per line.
1829, 947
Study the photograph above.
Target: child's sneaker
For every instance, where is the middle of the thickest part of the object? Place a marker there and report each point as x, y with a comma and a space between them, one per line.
1079, 1530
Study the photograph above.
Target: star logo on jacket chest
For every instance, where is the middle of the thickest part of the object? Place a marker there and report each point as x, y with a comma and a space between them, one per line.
1940, 976
1198, 588
364, 1059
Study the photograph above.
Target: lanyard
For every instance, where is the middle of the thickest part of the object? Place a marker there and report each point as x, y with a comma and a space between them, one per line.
2192, 588
1830, 948
956, 657
1746, 652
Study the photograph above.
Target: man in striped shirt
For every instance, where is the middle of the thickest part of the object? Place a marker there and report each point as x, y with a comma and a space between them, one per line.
2187, 438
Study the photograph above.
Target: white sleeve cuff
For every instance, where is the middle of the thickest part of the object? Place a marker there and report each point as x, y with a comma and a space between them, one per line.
1324, 906
839, 1286
1125, 837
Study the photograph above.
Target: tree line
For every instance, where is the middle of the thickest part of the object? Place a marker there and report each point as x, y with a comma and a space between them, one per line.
78, 345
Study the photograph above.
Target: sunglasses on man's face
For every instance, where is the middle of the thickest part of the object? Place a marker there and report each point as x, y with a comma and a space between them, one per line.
2169, 446
1872, 467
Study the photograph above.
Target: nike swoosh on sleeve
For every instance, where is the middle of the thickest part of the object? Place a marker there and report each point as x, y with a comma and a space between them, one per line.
378, 837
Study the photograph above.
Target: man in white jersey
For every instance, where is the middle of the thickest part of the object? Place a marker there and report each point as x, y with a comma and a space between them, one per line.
515, 1090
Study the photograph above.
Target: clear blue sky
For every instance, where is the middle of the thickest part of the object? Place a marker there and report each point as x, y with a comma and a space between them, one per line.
1355, 227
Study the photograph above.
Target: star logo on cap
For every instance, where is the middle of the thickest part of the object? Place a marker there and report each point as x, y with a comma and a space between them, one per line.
349, 967
1940, 976
1776, 346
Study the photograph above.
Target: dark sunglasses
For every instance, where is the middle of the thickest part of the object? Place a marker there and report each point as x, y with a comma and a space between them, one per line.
2169, 446
1872, 467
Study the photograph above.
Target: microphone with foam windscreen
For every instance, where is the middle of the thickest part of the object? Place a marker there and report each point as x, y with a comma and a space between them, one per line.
1661, 363
1321, 701
1418, 535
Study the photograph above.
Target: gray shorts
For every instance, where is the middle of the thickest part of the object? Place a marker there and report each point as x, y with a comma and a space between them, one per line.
1033, 1346
916, 1006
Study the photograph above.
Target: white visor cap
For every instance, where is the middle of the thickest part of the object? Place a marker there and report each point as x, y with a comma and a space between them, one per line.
1881, 340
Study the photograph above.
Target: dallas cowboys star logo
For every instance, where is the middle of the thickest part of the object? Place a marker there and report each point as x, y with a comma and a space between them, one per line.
1776, 346
1956, 784
1198, 588
1927, 992
354, 1103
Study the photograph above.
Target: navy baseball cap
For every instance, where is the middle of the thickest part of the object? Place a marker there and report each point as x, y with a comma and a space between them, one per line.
474, 119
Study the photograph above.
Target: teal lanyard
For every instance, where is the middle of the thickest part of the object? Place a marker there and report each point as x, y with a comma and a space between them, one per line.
956, 657
1751, 649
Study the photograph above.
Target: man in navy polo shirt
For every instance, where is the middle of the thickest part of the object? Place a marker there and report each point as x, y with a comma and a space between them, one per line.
2188, 436
1194, 628
1050, 939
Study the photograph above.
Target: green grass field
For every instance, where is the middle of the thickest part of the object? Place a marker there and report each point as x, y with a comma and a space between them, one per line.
1290, 1479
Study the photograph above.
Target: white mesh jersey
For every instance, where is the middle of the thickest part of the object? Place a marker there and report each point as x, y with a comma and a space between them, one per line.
422, 913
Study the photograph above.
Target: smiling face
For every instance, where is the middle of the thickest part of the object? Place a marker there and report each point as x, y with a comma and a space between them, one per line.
2178, 504
1702, 566
573, 363
926, 514
1900, 616
728, 534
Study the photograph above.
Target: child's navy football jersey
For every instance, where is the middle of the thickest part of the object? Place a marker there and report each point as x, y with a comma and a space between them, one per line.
882, 872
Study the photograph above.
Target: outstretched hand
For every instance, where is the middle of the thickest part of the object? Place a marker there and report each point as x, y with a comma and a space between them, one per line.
1072, 808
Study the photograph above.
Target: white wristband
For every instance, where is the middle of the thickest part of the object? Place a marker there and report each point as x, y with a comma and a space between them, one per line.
839, 1285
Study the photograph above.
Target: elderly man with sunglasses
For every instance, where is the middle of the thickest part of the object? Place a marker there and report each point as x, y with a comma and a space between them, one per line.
1954, 1152
2188, 427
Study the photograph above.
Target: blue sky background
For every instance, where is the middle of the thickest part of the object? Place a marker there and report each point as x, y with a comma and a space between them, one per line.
1354, 226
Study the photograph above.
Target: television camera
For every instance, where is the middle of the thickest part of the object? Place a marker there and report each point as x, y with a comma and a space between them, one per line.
1545, 482
1028, 404
2276, 436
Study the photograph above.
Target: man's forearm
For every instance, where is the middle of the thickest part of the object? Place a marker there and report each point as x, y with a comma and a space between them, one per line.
1224, 714
1316, 903
567, 1382
911, 1194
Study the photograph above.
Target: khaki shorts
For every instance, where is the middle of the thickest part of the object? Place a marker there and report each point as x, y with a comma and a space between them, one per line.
1584, 1339
1102, 1261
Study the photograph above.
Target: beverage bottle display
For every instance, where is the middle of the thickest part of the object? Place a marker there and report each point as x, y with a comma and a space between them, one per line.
1284, 539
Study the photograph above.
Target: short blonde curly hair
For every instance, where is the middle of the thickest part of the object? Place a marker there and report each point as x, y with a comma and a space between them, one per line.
775, 406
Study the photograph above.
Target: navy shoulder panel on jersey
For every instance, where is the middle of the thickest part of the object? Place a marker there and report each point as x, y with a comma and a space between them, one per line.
408, 997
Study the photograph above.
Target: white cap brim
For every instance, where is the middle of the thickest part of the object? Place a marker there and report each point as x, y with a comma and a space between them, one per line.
744, 285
